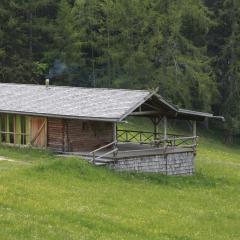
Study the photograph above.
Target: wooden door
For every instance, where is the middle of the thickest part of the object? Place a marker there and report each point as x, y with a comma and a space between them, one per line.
39, 132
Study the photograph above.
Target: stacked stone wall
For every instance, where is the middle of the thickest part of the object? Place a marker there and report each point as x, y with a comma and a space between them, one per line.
181, 163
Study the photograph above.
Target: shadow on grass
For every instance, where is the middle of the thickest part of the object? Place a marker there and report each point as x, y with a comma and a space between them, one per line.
199, 180
99, 225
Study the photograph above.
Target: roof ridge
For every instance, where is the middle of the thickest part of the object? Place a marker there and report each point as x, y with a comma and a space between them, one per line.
57, 86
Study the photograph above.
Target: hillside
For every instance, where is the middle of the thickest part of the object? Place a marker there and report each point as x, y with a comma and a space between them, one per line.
43, 196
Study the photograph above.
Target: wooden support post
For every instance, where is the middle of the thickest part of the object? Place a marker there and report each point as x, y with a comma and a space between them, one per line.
165, 131
195, 132
194, 128
165, 142
114, 131
156, 121
115, 139
155, 129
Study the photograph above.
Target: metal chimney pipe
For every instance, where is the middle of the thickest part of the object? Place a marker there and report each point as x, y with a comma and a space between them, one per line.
47, 83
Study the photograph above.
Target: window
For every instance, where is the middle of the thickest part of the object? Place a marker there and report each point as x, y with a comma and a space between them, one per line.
13, 129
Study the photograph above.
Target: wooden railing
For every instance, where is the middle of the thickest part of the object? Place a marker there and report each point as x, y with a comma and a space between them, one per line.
113, 151
135, 136
156, 139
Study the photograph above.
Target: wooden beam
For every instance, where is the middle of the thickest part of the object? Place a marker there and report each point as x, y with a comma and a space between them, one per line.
144, 113
151, 106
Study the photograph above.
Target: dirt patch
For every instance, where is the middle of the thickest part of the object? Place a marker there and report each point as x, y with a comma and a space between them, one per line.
13, 161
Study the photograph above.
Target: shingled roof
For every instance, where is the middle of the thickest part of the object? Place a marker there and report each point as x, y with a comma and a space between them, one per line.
74, 102
88, 103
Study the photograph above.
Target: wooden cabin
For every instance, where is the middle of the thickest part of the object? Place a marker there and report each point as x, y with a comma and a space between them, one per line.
84, 121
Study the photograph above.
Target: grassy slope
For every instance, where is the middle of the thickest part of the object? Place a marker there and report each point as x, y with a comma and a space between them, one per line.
55, 198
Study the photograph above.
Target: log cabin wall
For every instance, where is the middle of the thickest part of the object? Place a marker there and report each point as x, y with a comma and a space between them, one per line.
77, 135
55, 134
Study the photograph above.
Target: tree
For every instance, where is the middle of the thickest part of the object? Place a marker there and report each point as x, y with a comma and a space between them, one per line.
224, 45
25, 36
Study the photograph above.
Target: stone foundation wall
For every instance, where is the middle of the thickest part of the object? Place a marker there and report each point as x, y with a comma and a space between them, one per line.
181, 163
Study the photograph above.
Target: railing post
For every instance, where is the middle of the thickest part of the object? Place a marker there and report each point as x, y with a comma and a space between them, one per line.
94, 156
114, 153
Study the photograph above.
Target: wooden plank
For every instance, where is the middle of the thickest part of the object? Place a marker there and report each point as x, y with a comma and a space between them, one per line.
38, 131
65, 138
55, 134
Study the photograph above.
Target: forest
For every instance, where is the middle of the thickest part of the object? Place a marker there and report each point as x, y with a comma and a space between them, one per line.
189, 49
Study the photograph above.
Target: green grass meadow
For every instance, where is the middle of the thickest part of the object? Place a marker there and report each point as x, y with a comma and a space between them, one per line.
43, 196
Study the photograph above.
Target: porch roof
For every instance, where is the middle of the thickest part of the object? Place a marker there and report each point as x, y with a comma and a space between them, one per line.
98, 104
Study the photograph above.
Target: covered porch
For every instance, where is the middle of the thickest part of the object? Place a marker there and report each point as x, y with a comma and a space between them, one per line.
135, 143
159, 140
156, 150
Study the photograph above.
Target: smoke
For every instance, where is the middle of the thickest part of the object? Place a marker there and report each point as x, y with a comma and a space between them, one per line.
58, 69
62, 74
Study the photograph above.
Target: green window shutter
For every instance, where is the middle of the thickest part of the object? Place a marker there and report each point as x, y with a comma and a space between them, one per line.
18, 129
7, 129
28, 129
0, 129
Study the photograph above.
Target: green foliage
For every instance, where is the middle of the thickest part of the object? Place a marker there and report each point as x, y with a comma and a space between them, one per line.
224, 45
144, 44
25, 36
187, 48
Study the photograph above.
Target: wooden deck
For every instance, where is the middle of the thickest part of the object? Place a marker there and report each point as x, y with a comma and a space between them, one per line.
126, 150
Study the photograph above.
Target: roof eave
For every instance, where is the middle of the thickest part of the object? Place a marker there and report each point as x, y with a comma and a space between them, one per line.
202, 115
103, 119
